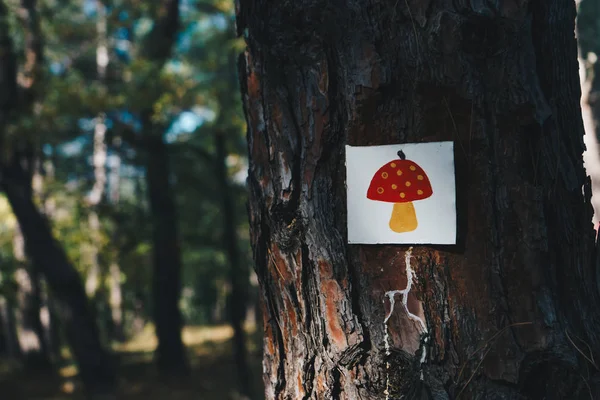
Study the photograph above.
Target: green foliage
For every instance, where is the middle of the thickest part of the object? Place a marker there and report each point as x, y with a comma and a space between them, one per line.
8, 263
199, 77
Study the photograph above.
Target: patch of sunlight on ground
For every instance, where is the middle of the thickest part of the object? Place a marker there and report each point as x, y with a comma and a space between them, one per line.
191, 335
68, 371
210, 355
68, 387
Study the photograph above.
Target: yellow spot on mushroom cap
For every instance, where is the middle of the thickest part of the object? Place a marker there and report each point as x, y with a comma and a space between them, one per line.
384, 175
407, 183
379, 190
420, 177
402, 195
394, 187
393, 165
412, 168
399, 172
419, 192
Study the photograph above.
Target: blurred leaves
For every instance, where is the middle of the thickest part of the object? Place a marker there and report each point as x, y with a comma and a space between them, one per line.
190, 96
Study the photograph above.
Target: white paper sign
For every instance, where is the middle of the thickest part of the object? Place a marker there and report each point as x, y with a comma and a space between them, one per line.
401, 193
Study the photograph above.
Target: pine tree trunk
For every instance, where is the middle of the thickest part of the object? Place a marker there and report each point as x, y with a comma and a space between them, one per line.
510, 312
166, 284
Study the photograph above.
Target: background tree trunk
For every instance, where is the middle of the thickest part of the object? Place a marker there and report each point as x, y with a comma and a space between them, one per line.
34, 348
170, 353
9, 341
238, 271
511, 310
117, 330
95, 281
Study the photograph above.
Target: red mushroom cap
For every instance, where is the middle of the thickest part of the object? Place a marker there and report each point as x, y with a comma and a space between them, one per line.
400, 181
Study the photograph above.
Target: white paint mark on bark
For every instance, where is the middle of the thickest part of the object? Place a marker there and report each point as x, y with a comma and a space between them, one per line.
391, 296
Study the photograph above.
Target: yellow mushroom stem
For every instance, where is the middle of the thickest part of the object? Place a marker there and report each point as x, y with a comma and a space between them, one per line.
404, 218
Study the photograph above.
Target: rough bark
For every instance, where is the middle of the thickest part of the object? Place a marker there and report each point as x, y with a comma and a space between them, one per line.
238, 271
510, 311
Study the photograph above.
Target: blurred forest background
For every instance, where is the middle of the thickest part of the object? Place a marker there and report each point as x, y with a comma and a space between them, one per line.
121, 124
122, 186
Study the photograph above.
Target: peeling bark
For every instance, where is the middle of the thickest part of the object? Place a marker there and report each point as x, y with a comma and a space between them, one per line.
509, 307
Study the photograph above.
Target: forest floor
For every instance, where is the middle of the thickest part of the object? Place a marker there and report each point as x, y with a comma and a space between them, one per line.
212, 377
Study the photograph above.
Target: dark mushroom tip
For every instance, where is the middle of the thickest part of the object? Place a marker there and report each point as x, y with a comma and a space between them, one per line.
401, 155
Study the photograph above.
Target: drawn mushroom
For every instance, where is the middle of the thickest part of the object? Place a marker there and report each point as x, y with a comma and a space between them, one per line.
400, 182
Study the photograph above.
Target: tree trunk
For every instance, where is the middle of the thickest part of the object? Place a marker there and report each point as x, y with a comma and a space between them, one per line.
9, 341
95, 367
166, 280
510, 312
34, 348
49, 317
115, 288
588, 32
94, 285
238, 272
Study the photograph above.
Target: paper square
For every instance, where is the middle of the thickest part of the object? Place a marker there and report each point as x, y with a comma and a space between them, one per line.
369, 219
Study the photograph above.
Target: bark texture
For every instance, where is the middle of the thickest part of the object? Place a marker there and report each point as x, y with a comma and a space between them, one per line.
511, 311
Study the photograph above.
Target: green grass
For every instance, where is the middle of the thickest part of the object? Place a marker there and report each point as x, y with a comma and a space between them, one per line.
212, 377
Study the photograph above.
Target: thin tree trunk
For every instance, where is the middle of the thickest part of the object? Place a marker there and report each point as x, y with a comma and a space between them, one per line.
10, 339
49, 316
509, 312
117, 332
34, 348
238, 272
94, 284
166, 280
115, 289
